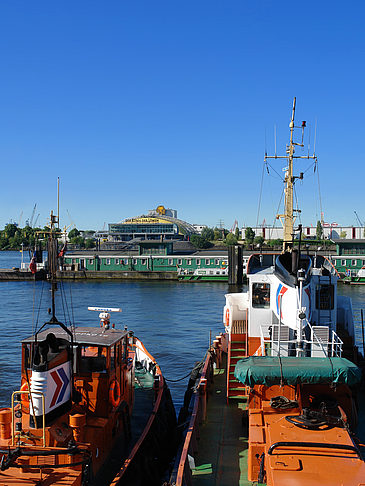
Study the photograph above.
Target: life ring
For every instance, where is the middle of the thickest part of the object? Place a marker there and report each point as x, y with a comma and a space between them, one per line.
227, 317
114, 393
25, 397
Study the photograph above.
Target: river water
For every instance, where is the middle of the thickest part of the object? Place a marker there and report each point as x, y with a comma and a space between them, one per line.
174, 320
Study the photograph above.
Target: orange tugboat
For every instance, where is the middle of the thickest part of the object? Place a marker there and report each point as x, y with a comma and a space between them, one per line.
91, 408
277, 399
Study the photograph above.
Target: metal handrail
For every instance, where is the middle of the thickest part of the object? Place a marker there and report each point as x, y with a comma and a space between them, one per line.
335, 344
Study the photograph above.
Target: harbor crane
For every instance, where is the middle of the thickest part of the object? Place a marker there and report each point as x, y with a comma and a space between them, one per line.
36, 220
73, 224
32, 217
359, 220
235, 225
20, 219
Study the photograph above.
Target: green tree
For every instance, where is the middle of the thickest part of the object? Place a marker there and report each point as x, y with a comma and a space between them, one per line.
274, 243
259, 240
10, 230
237, 233
3, 241
319, 231
78, 241
208, 234
217, 234
89, 243
249, 235
74, 232
230, 239
199, 242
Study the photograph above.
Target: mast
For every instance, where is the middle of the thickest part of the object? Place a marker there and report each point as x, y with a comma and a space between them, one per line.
288, 205
52, 261
287, 219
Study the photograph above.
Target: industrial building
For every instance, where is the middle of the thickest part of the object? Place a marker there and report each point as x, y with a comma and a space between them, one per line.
331, 231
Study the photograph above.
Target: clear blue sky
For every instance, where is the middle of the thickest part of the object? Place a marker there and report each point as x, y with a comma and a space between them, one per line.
139, 103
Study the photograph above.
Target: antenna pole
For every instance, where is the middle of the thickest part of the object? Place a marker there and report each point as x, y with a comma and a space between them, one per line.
58, 202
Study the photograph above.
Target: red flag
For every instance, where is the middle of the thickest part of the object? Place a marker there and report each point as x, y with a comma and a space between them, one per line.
33, 265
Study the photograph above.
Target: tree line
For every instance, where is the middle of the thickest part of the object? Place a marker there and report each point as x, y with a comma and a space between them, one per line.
14, 238
210, 236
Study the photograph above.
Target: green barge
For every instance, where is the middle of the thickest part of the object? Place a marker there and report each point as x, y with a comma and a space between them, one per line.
201, 266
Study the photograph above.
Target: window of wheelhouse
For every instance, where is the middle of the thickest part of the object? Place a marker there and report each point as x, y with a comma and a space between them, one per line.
112, 357
125, 348
92, 359
325, 297
261, 295
27, 362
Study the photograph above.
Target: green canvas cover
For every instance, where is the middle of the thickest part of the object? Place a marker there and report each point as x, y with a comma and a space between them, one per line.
265, 370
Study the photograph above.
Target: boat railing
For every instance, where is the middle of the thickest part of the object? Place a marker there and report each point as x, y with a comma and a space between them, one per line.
337, 344
182, 471
322, 342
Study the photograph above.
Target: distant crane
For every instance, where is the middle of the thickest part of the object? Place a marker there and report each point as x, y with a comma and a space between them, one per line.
20, 219
359, 220
32, 217
71, 220
36, 220
235, 225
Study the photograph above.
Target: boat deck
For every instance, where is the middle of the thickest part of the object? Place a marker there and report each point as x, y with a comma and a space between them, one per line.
222, 457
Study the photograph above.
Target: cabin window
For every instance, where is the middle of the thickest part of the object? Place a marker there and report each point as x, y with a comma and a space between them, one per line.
108, 261
179, 261
188, 261
343, 263
93, 358
143, 261
207, 261
171, 261
126, 261
134, 261
216, 261
117, 261
353, 263
261, 295
325, 297
125, 349
27, 360
112, 357
363, 262
198, 261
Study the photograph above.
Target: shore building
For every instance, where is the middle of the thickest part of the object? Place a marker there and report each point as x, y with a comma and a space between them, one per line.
159, 224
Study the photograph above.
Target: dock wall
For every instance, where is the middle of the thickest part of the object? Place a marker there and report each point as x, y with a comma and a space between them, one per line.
115, 275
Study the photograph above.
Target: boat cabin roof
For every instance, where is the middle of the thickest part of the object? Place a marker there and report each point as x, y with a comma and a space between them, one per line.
96, 336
